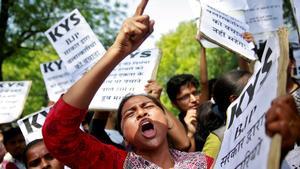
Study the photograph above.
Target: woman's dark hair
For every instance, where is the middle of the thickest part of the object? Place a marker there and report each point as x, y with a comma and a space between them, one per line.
31, 144
208, 120
125, 99
231, 83
211, 84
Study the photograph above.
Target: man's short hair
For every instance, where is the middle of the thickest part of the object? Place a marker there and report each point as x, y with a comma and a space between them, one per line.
175, 83
10, 133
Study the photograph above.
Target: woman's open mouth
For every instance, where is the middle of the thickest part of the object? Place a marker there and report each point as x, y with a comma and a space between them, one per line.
147, 128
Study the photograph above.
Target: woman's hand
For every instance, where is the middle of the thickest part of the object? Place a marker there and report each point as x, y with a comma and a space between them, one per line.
134, 31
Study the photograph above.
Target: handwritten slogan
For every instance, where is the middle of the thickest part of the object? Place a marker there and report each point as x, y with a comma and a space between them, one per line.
31, 125
245, 143
13, 95
264, 15
296, 53
130, 76
57, 79
228, 5
75, 43
226, 31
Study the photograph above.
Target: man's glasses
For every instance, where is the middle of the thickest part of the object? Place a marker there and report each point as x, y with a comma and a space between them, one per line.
187, 96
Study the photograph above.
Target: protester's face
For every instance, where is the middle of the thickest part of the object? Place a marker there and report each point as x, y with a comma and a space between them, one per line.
187, 98
144, 124
38, 157
16, 146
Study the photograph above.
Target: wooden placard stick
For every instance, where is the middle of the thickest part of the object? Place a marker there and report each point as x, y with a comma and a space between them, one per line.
275, 149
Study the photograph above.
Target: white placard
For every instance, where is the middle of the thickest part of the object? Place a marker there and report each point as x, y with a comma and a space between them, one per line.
264, 15
296, 10
75, 43
226, 31
31, 125
130, 76
228, 5
56, 78
296, 53
245, 143
13, 95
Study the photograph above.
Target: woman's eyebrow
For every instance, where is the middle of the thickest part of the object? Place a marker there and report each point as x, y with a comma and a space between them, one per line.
142, 105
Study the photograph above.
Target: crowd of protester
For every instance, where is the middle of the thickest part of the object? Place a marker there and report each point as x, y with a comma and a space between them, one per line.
142, 133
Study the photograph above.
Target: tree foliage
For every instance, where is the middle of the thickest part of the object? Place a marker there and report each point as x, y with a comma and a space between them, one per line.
26, 66
22, 22
181, 54
23, 46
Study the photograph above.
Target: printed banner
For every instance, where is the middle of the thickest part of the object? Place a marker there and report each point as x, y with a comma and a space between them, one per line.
245, 144
75, 43
13, 95
226, 31
31, 125
264, 15
130, 76
56, 78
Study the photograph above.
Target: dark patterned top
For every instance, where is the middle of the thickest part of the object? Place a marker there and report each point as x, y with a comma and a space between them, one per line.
77, 149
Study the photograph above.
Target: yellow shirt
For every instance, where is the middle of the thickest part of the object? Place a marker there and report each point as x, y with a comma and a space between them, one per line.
212, 145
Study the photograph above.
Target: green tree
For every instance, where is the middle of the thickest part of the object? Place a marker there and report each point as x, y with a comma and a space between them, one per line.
180, 54
22, 22
26, 66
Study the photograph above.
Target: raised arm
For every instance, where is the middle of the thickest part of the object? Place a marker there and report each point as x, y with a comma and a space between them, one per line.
133, 32
61, 132
243, 64
204, 96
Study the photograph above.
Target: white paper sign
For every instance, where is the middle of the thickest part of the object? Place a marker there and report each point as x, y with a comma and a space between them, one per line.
226, 31
296, 53
245, 144
228, 5
13, 96
296, 9
130, 76
75, 43
264, 15
56, 78
31, 125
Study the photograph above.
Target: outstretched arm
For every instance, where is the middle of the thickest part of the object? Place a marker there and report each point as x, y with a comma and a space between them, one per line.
61, 132
243, 64
133, 32
204, 96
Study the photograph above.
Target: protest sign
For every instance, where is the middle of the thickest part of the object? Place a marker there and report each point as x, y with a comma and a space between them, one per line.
296, 53
226, 31
228, 5
75, 43
264, 15
13, 95
130, 76
245, 143
31, 125
296, 11
56, 78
